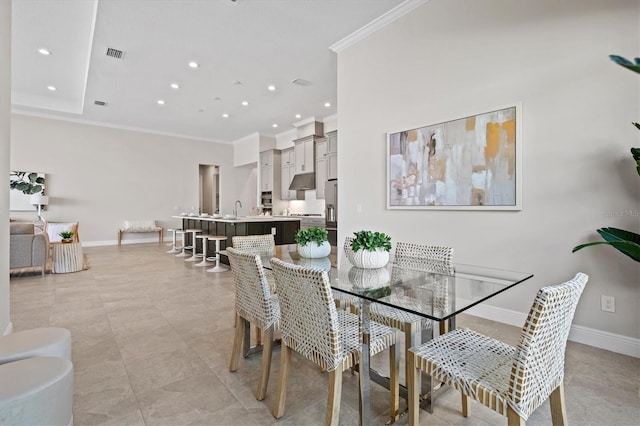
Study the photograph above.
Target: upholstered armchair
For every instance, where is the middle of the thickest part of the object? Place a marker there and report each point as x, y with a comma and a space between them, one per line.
27, 249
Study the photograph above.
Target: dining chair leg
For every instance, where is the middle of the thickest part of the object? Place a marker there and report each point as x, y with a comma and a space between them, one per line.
466, 406
558, 410
335, 394
281, 395
394, 382
413, 390
238, 341
513, 418
258, 336
265, 368
411, 339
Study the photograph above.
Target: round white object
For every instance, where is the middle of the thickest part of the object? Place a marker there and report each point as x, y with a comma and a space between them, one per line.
313, 251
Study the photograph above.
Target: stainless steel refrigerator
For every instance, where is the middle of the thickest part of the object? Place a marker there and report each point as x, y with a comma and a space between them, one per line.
331, 210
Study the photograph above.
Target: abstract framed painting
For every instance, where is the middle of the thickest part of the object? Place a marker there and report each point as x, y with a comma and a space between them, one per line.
22, 185
469, 163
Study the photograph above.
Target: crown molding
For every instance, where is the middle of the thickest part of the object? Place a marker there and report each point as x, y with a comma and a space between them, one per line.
380, 22
17, 111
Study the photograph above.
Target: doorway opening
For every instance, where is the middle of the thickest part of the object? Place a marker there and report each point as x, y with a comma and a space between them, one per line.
209, 188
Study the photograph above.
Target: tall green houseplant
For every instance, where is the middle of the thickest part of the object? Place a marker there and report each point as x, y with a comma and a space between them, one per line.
625, 241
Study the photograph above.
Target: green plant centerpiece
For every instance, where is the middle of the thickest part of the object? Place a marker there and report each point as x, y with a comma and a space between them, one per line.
369, 250
627, 242
67, 236
313, 242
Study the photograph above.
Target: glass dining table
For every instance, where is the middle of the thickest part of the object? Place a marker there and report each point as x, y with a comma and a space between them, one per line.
431, 290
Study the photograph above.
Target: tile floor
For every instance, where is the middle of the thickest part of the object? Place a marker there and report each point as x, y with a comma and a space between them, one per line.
152, 337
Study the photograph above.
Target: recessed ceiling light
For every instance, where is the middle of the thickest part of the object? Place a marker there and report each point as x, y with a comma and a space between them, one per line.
175, 86
274, 125
327, 104
271, 87
298, 116
44, 51
245, 103
160, 102
193, 64
52, 88
225, 115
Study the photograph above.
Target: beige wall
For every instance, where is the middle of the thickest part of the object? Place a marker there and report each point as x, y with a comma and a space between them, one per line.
451, 58
102, 176
5, 138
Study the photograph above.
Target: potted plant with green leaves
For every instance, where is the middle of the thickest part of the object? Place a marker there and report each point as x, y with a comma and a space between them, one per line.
67, 236
313, 242
369, 249
627, 242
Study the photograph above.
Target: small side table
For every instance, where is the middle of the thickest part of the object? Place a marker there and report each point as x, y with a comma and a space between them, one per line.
66, 257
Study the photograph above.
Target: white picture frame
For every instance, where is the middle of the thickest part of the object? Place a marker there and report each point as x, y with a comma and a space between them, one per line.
468, 163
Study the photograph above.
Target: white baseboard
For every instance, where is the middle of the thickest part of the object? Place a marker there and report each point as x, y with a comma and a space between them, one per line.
589, 336
9, 329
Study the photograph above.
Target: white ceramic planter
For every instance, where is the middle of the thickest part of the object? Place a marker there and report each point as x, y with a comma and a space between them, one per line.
369, 259
369, 278
323, 263
313, 251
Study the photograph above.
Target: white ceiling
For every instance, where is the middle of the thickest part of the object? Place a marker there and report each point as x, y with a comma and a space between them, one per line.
254, 43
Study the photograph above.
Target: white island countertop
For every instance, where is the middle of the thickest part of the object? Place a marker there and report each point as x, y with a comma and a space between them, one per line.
240, 219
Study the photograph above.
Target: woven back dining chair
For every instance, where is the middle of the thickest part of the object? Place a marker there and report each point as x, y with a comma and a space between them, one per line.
329, 337
424, 258
255, 304
257, 244
437, 259
254, 243
512, 381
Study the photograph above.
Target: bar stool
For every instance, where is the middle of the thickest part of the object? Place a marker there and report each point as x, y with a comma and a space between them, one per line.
218, 267
182, 247
192, 247
205, 259
172, 244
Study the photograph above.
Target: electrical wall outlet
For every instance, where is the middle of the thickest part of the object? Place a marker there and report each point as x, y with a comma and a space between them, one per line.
607, 303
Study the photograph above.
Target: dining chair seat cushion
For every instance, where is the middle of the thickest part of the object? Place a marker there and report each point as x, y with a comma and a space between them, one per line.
42, 341
480, 369
382, 337
395, 317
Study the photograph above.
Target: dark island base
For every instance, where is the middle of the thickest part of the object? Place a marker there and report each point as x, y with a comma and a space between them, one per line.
284, 232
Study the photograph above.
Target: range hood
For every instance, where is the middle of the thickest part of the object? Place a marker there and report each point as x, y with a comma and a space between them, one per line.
303, 181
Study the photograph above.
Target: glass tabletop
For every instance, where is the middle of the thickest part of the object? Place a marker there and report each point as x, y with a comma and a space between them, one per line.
432, 290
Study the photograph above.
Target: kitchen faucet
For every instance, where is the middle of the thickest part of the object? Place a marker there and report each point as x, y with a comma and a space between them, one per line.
235, 208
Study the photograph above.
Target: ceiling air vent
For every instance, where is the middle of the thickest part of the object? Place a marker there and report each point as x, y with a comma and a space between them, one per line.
301, 82
115, 53
100, 103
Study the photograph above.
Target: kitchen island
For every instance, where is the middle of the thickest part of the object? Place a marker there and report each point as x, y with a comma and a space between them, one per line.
283, 228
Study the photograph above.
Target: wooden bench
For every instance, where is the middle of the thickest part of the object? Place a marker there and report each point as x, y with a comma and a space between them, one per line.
138, 227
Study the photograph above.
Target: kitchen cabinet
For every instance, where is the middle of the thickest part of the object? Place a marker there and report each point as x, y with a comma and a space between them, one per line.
304, 154
269, 163
332, 155
321, 166
326, 161
287, 173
